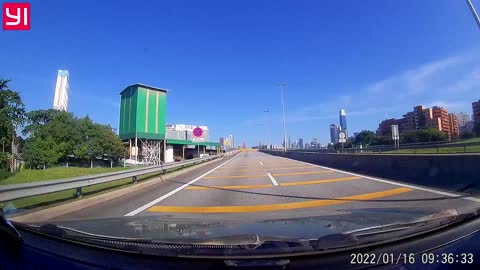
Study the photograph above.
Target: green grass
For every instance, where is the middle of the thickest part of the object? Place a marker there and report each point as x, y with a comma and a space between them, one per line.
27, 175
473, 140
52, 199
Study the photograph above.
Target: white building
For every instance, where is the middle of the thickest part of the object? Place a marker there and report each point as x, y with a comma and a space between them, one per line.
463, 118
184, 132
60, 101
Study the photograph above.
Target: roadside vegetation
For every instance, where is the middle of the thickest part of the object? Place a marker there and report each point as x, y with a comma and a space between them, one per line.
28, 175
56, 198
368, 139
42, 139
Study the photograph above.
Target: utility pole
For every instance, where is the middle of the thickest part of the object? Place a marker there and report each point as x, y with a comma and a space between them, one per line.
268, 140
281, 85
12, 167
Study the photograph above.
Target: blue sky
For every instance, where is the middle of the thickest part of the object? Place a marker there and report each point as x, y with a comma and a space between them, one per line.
221, 60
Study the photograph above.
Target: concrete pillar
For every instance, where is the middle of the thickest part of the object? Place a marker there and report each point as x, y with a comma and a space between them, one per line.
164, 149
169, 153
130, 148
183, 152
136, 150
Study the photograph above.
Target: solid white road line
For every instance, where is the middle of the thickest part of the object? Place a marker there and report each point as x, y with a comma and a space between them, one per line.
394, 183
152, 203
274, 182
260, 163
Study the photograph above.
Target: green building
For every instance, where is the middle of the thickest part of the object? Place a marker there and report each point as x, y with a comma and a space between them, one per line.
142, 112
143, 128
142, 122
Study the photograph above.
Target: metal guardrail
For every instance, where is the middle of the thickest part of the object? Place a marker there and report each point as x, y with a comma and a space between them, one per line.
463, 148
437, 147
17, 191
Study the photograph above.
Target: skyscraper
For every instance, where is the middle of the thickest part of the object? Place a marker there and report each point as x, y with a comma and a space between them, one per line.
343, 121
300, 143
60, 101
334, 131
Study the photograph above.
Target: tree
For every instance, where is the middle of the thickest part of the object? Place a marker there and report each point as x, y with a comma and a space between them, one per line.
12, 112
476, 126
423, 135
382, 140
37, 119
365, 137
466, 135
89, 146
53, 126
42, 152
68, 136
112, 145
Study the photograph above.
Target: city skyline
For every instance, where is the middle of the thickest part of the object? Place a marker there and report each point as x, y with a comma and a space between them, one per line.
380, 74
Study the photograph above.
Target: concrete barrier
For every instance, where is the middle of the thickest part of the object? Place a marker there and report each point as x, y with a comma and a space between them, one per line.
450, 171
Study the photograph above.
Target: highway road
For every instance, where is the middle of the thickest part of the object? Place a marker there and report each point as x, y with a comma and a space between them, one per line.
256, 186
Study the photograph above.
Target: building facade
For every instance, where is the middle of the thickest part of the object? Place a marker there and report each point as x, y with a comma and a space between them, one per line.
463, 118
300, 143
60, 101
442, 113
407, 122
385, 127
454, 126
142, 123
476, 112
421, 117
343, 121
184, 132
334, 131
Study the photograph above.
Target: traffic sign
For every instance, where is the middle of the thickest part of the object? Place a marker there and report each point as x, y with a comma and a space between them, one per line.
395, 133
197, 132
342, 137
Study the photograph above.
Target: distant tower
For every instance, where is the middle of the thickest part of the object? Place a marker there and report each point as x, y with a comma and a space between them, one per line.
343, 121
60, 102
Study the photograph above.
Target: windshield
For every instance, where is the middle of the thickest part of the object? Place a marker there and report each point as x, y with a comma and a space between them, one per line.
247, 121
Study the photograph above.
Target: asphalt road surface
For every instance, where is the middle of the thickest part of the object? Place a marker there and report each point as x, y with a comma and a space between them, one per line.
257, 186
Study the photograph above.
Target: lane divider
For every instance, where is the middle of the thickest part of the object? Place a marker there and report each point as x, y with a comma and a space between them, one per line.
234, 176
269, 169
276, 207
230, 187
301, 173
321, 181
152, 203
439, 192
274, 182
312, 182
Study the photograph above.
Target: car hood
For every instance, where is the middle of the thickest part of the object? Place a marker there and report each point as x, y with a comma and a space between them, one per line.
174, 228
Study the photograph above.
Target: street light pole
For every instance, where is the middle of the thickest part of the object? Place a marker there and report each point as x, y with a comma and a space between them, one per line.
474, 12
283, 113
268, 140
